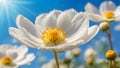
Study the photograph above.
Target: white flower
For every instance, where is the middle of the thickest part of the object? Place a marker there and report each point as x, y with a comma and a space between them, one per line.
107, 12
68, 54
56, 30
90, 53
13, 56
76, 51
52, 64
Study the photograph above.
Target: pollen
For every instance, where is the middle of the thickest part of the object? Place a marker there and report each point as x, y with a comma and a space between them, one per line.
109, 14
5, 61
53, 37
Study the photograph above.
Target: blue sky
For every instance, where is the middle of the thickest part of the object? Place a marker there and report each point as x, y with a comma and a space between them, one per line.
32, 8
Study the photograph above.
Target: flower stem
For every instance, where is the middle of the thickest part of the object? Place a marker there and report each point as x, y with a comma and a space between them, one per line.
110, 64
111, 47
56, 58
110, 40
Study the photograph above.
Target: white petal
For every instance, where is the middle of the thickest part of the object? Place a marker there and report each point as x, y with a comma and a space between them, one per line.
92, 32
71, 12
63, 22
31, 37
26, 60
96, 17
117, 18
91, 8
69, 46
22, 51
117, 11
81, 31
55, 13
2, 54
12, 53
64, 46
107, 5
39, 24
23, 22
17, 34
77, 22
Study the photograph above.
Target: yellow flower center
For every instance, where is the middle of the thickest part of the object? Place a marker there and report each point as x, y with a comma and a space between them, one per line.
109, 14
52, 37
5, 61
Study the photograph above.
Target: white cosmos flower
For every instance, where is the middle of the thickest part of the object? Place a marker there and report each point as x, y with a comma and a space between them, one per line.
13, 56
56, 30
107, 12
90, 53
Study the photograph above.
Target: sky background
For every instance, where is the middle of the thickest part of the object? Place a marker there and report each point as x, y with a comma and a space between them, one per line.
32, 8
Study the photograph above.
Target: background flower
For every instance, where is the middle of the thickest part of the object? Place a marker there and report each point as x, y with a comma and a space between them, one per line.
107, 12
13, 56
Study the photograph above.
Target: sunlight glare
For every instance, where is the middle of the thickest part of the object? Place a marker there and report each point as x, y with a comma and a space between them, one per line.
3, 2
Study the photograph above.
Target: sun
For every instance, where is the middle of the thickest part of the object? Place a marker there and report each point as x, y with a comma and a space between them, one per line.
3, 1
9, 9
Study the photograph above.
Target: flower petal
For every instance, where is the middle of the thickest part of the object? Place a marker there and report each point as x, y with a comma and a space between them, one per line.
117, 11
71, 13
18, 35
107, 5
22, 51
12, 53
96, 17
39, 24
23, 22
26, 60
63, 22
91, 9
81, 30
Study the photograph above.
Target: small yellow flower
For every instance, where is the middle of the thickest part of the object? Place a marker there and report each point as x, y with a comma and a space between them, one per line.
6, 60
110, 55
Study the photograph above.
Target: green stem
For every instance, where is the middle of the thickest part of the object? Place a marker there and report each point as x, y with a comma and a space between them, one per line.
56, 58
110, 64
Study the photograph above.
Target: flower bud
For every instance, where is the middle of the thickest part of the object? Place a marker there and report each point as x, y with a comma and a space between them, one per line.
104, 26
111, 55
76, 52
90, 61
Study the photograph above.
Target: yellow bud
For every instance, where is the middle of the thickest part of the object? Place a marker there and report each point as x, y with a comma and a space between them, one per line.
110, 55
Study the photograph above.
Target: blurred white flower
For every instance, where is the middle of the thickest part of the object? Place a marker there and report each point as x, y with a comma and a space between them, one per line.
52, 64
90, 56
76, 52
117, 27
90, 53
56, 30
13, 56
68, 54
103, 39
107, 12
